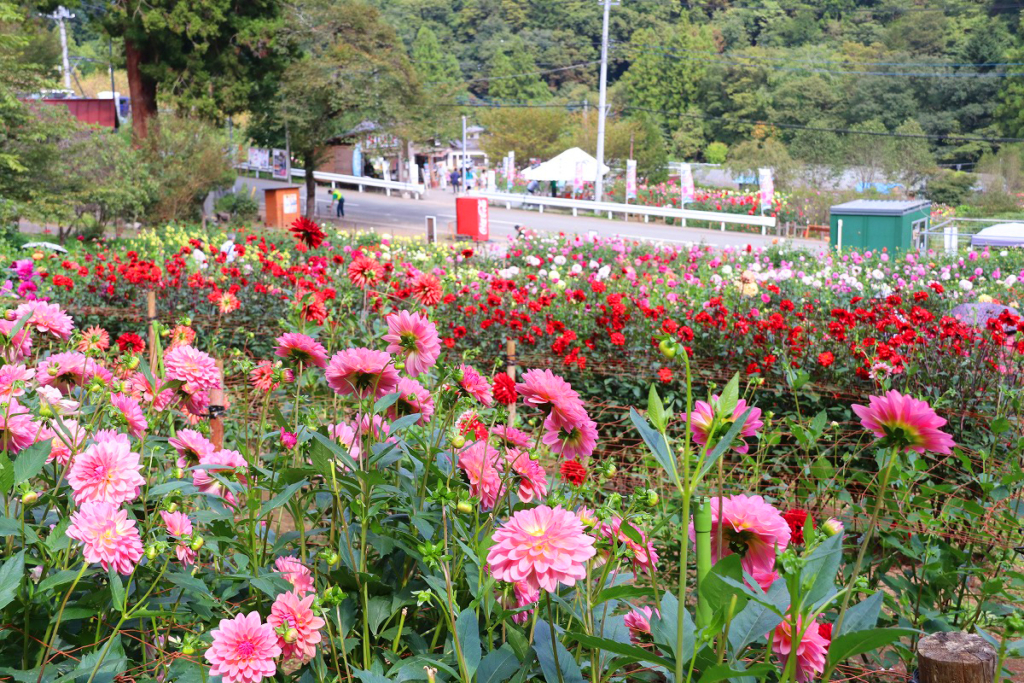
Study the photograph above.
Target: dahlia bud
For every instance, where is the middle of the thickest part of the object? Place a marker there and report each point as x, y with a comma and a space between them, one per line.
188, 649
330, 557
172, 507
197, 543
610, 469
652, 497
832, 527
464, 507
459, 441
45, 410
399, 365
291, 635
151, 552
133, 363
615, 500
179, 473
29, 497
431, 674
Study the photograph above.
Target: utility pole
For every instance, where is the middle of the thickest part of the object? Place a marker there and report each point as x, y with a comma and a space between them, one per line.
464, 153
602, 105
60, 16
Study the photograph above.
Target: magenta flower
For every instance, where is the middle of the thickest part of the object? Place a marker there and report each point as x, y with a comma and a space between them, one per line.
524, 595
533, 480
243, 649
67, 440
191, 447
542, 547
108, 472
226, 462
197, 369
643, 555
107, 536
300, 348
905, 423
412, 338
295, 573
412, 398
17, 430
362, 372
810, 652
476, 385
702, 422
180, 526
46, 317
292, 611
749, 526
13, 379
510, 437
479, 461
639, 624
549, 393
130, 413
70, 369
575, 439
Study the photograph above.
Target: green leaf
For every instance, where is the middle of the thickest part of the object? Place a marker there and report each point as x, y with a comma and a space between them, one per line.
546, 651
730, 396
620, 593
11, 573
403, 422
385, 402
665, 628
116, 589
468, 630
717, 592
517, 639
30, 461
280, 499
725, 442
6, 474
726, 672
820, 569
1000, 425
61, 578
656, 442
190, 583
863, 615
498, 666
656, 410
323, 462
378, 611
271, 585
635, 653
753, 622
370, 677
860, 642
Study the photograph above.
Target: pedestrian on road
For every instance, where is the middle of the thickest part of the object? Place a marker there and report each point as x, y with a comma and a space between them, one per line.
531, 187
340, 199
456, 181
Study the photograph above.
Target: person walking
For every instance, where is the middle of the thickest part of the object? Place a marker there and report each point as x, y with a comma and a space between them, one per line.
340, 200
456, 181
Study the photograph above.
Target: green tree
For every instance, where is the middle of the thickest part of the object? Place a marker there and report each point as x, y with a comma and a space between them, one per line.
866, 150
204, 57
634, 137
663, 79
187, 161
909, 160
513, 76
763, 152
822, 152
1010, 109
352, 69
716, 153
530, 133
434, 65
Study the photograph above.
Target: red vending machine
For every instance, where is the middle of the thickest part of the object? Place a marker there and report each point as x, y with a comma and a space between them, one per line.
472, 218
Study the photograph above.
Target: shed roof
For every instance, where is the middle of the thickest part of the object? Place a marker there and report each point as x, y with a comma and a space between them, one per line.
880, 207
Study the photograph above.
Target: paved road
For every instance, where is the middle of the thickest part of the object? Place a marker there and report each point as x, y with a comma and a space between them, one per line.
375, 209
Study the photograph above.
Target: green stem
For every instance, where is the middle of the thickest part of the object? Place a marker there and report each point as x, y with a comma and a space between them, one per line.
554, 642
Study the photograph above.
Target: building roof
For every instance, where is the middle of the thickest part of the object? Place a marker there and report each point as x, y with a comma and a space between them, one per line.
880, 207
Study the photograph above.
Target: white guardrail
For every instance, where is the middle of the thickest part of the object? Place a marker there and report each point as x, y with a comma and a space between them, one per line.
341, 179
525, 201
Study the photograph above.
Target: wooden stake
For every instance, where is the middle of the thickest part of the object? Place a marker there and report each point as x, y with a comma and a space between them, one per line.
955, 657
510, 368
151, 315
217, 409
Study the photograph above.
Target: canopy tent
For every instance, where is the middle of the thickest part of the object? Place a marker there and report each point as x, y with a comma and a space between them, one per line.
562, 168
1001, 235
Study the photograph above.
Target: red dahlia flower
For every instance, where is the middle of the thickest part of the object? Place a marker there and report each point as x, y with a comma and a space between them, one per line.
573, 472
307, 232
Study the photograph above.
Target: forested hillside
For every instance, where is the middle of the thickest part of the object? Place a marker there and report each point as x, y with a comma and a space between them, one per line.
810, 77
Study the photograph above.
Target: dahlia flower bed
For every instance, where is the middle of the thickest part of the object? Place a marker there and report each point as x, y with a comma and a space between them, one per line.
380, 503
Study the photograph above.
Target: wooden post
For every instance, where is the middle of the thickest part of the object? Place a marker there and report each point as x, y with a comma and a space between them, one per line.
510, 368
151, 315
955, 657
217, 409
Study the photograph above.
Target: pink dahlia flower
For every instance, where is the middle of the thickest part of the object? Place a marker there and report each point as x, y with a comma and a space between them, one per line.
94, 339
413, 398
243, 649
347, 435
70, 369
510, 436
749, 526
13, 379
412, 338
295, 573
16, 346
291, 611
476, 385
105, 435
643, 555
107, 536
548, 392
542, 547
479, 461
46, 317
639, 624
702, 422
524, 595
810, 652
905, 423
191, 447
224, 463
106, 472
180, 526
143, 389
300, 348
131, 412
362, 372
533, 480
17, 430
55, 401
68, 436
573, 439
197, 369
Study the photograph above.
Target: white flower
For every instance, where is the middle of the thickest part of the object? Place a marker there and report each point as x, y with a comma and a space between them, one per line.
756, 267
604, 272
785, 274
555, 275
726, 270
1004, 253
559, 260
877, 274
593, 264
576, 269
533, 260
1010, 281
716, 279
966, 285
199, 257
944, 275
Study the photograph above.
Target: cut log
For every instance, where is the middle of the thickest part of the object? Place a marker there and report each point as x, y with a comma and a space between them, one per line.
956, 657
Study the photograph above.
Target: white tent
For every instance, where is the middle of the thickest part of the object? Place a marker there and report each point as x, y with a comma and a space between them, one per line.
563, 167
1001, 235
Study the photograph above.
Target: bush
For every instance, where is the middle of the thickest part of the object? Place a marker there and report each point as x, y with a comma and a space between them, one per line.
950, 187
716, 153
241, 205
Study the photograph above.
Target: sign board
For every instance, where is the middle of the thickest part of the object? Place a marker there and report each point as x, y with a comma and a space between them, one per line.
577, 179
686, 189
414, 172
764, 176
485, 220
357, 160
290, 203
259, 158
630, 179
492, 181
280, 169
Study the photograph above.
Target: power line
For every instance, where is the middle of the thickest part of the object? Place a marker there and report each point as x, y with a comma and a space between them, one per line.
528, 73
862, 10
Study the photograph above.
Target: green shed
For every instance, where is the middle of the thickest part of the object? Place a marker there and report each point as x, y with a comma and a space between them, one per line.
879, 223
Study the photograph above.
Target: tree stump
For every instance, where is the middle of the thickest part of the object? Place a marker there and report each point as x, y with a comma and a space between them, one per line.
956, 657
